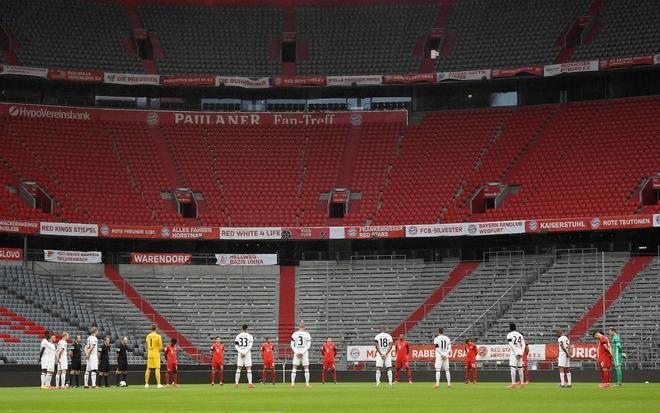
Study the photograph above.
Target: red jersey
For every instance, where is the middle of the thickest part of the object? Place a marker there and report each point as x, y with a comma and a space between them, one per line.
329, 351
402, 348
471, 353
218, 351
603, 354
267, 353
170, 354
526, 352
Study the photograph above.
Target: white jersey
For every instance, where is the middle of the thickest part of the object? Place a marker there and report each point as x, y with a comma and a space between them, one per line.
442, 346
91, 348
43, 345
565, 343
243, 343
516, 342
301, 342
49, 353
384, 340
62, 345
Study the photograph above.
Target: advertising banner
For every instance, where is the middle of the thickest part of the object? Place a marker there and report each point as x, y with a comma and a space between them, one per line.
496, 228
248, 233
529, 70
88, 76
131, 231
302, 233
571, 67
558, 225
410, 78
464, 75
622, 222
131, 79
578, 351
355, 80
436, 230
364, 353
154, 258
23, 71
192, 80
488, 352
246, 259
626, 62
73, 257
68, 229
382, 231
11, 254
243, 82
18, 227
298, 81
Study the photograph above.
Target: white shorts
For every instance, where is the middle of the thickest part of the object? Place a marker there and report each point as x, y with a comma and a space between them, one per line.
304, 360
244, 361
384, 363
441, 364
48, 363
92, 364
515, 361
64, 364
564, 361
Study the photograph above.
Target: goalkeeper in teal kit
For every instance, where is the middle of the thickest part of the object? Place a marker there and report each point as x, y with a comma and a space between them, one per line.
617, 354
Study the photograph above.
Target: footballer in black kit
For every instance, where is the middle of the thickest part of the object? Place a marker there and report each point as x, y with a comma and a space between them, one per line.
76, 361
104, 360
122, 360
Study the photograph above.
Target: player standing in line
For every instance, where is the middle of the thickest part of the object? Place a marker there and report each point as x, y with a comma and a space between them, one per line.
329, 352
384, 345
76, 361
617, 355
604, 358
470, 361
517, 343
301, 342
268, 357
243, 344
217, 360
170, 358
525, 361
104, 361
92, 357
42, 361
564, 359
154, 348
48, 360
402, 353
122, 360
61, 358
442, 352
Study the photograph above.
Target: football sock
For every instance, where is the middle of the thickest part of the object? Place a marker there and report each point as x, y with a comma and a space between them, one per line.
147, 373
93, 378
57, 380
306, 376
619, 374
389, 376
78, 379
323, 376
561, 378
167, 377
263, 375
249, 374
513, 375
272, 374
377, 376
86, 380
521, 375
448, 376
49, 377
467, 374
293, 376
125, 377
396, 375
63, 379
334, 374
568, 378
212, 376
105, 380
474, 374
43, 378
409, 373
238, 376
157, 373
174, 379
437, 378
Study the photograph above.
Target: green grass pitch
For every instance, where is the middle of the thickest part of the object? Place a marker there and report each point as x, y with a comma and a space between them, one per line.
343, 398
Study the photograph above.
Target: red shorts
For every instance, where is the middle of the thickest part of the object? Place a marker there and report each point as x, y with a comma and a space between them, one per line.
401, 364
605, 363
269, 365
470, 364
171, 366
217, 365
327, 365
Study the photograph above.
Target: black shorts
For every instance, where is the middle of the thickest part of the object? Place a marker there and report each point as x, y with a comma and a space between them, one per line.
76, 365
104, 366
122, 366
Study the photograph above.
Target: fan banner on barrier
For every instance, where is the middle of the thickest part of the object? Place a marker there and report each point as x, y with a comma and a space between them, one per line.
68, 229
85, 76
246, 259
298, 81
243, 82
410, 78
156, 258
248, 233
496, 228
571, 67
435, 230
427, 352
578, 351
367, 80
379, 231
23, 71
302, 233
131, 79
626, 61
18, 227
511, 72
73, 257
11, 254
187, 81
464, 75
364, 353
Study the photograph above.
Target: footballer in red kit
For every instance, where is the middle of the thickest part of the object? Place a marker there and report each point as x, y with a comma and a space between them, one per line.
604, 358
170, 358
329, 352
218, 360
470, 361
402, 353
268, 357
524, 361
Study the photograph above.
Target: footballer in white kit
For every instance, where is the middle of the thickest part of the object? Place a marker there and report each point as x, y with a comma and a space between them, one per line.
384, 345
442, 345
243, 345
301, 342
564, 359
92, 357
516, 342
48, 360
62, 358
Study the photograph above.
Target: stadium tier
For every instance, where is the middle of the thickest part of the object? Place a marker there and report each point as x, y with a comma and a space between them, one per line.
344, 39
549, 161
